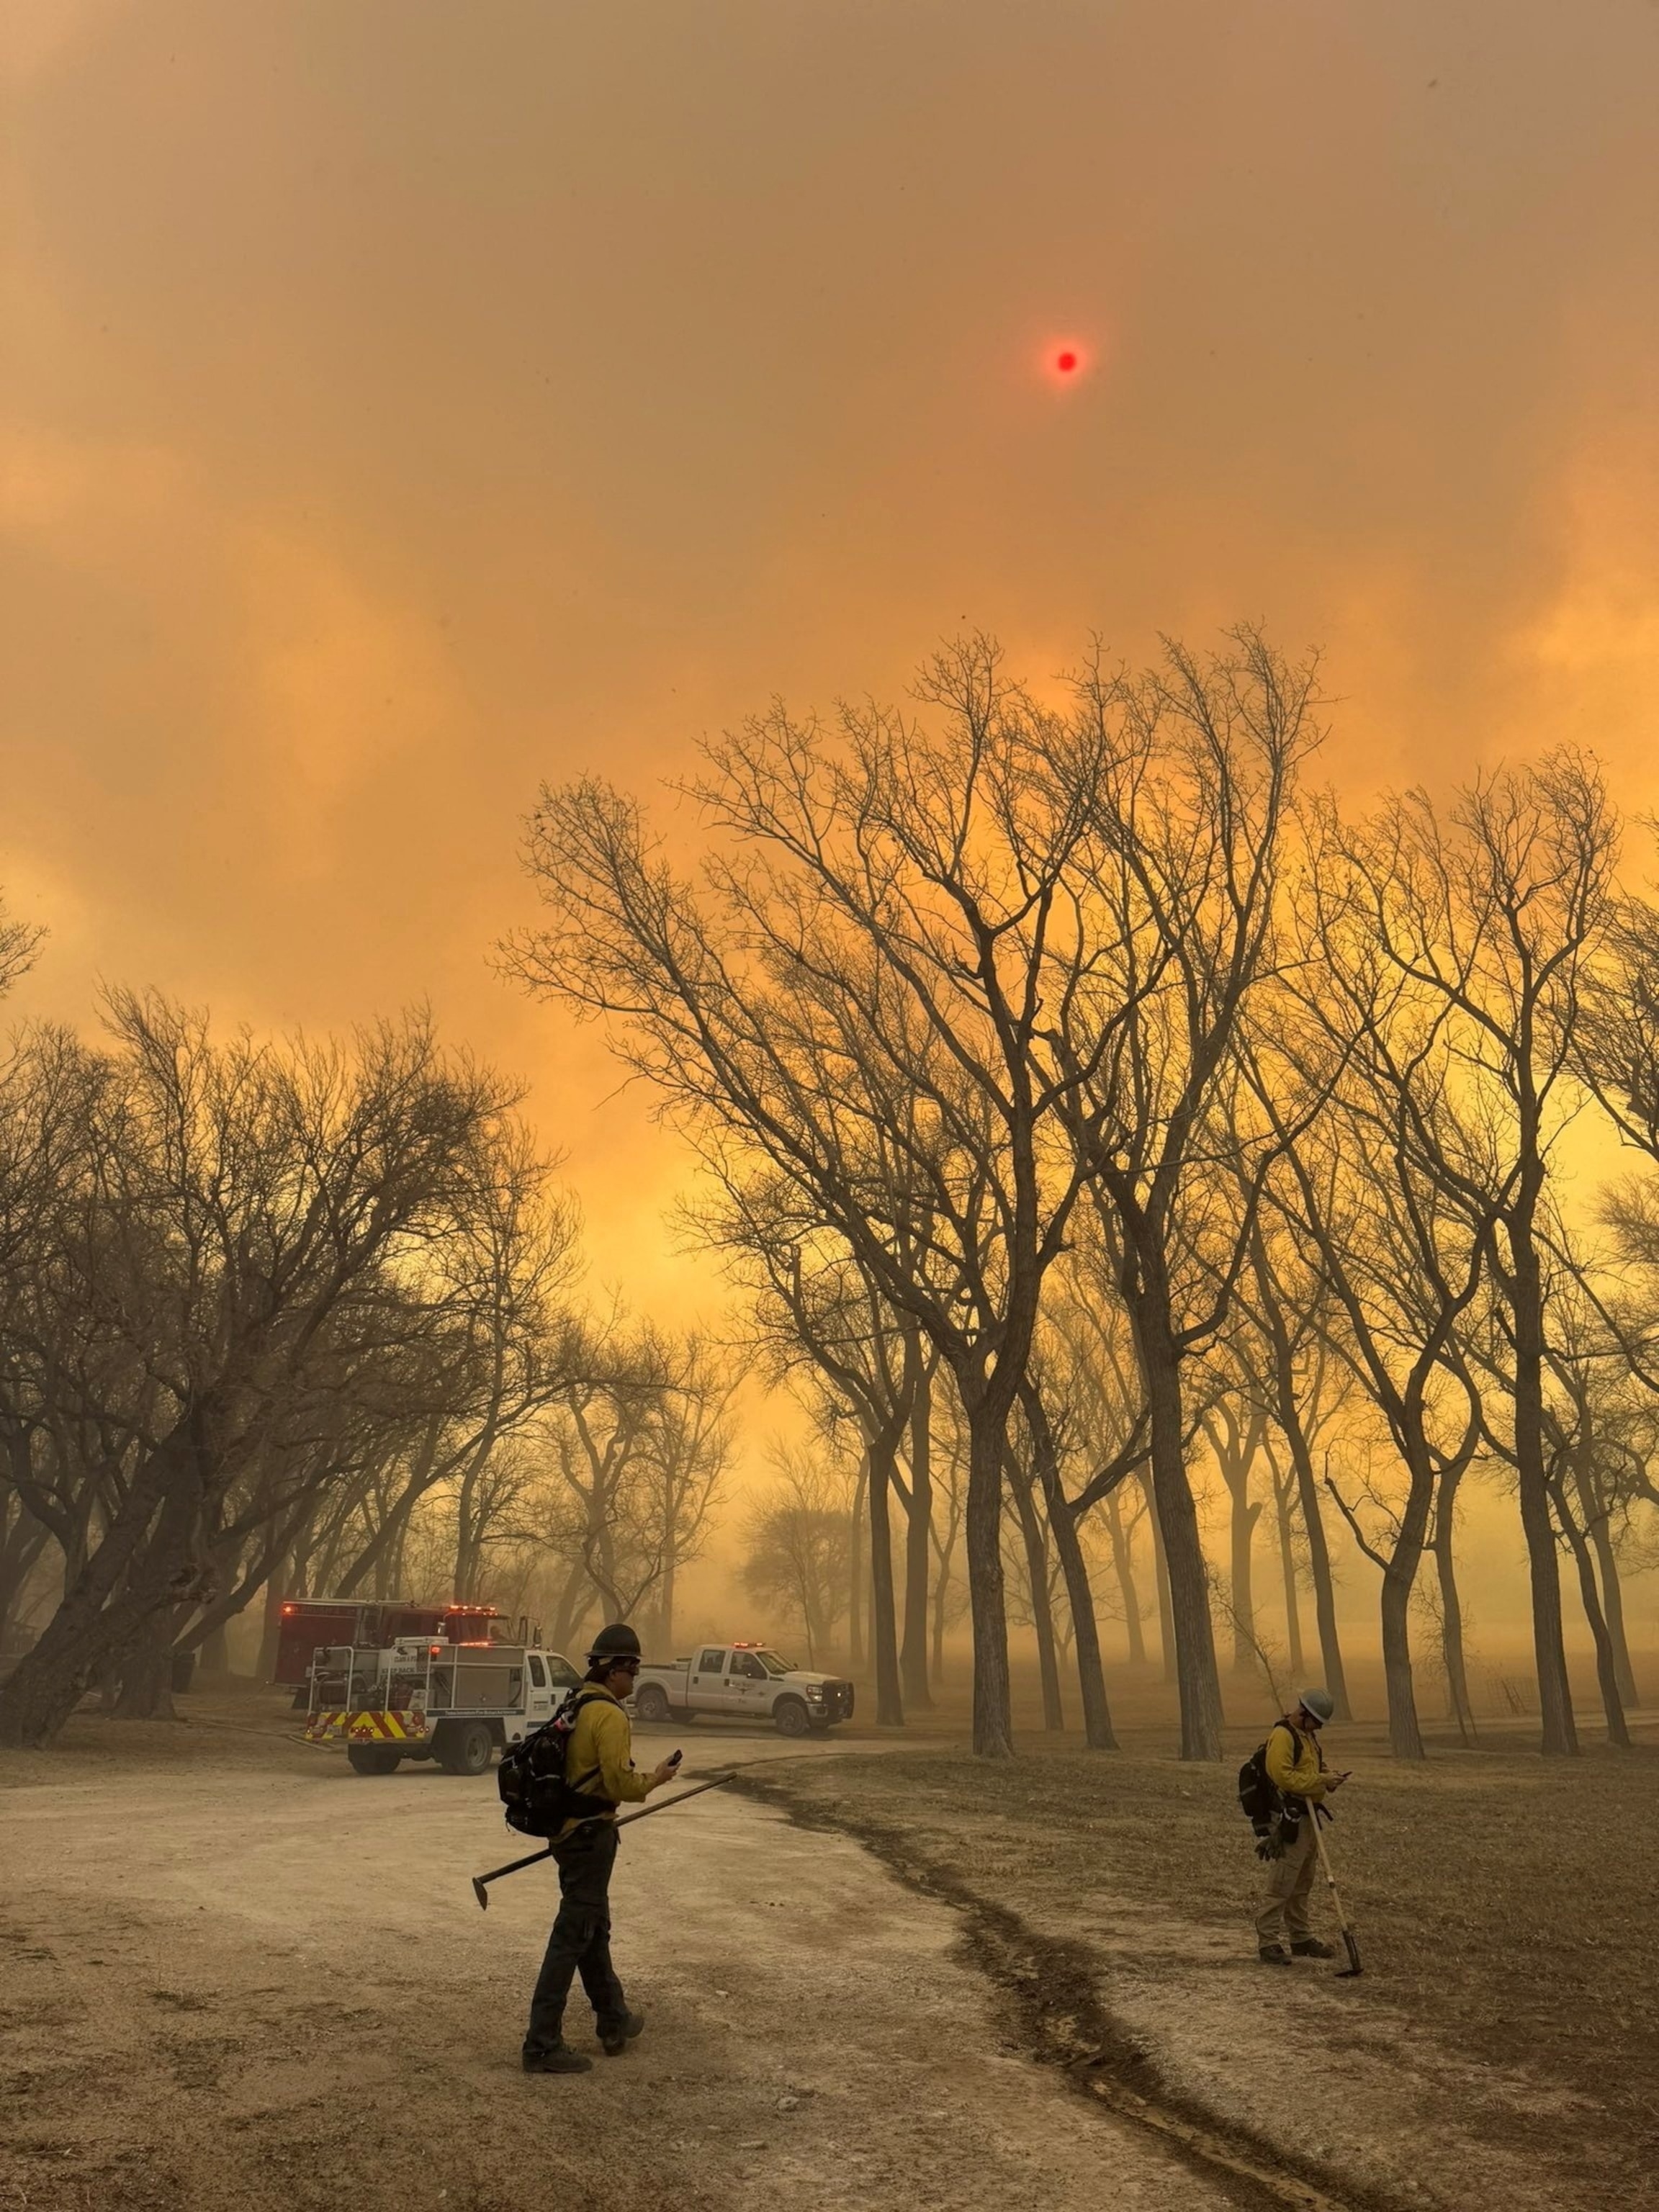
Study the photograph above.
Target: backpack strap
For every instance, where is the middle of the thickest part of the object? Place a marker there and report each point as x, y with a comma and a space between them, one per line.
579, 1698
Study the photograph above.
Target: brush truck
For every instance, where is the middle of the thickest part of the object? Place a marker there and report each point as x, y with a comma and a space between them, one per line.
747, 1681
420, 1698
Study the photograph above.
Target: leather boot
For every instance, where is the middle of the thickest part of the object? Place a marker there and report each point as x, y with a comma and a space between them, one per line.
614, 2041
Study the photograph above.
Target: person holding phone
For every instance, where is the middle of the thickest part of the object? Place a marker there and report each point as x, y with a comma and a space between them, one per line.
599, 1764
1297, 1769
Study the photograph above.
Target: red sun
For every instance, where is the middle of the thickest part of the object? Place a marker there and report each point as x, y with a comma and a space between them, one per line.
1067, 361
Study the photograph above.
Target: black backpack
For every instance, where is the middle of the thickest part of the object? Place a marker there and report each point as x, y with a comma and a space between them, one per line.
537, 1796
1259, 1799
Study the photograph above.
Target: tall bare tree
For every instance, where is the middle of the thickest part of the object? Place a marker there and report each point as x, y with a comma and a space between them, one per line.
870, 962
1492, 919
243, 1255
1188, 816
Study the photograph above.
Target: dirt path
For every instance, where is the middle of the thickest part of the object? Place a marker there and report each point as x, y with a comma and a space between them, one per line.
253, 1979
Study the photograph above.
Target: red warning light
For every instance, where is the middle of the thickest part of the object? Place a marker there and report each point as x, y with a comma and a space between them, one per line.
1066, 360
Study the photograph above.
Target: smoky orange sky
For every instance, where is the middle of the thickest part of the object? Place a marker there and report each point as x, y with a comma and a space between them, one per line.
409, 400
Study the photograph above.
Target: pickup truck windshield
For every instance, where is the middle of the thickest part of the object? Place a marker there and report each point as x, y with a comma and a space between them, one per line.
772, 1664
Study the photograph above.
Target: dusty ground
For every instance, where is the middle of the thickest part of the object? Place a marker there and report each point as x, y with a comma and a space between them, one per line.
1502, 2046
234, 1975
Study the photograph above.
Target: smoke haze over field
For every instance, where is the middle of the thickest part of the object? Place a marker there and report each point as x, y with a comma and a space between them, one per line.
407, 402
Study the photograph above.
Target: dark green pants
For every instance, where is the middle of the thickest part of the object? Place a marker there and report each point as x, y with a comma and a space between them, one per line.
580, 1941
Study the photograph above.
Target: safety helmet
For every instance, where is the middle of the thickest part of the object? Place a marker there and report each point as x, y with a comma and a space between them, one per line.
1320, 1705
618, 1641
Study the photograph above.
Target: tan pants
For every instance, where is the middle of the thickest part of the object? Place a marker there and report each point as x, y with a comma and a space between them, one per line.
1290, 1878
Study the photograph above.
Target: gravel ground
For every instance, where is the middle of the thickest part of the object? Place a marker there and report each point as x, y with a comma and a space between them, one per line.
235, 1975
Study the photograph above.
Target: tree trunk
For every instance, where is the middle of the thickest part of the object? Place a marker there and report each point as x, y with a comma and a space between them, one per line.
1234, 1443
92, 1628
271, 1625
1161, 1577
213, 1653
1197, 1680
572, 1604
883, 1630
1613, 1596
1451, 1607
1319, 1562
855, 1643
1405, 1736
988, 1436
1401, 1569
25, 1541
1606, 1671
1560, 1738
1042, 1621
1123, 1567
146, 1670
1242, 1585
1283, 1494
1098, 1731
918, 1543
666, 1605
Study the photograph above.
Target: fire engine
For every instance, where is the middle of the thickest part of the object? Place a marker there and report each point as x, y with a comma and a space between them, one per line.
306, 1623
455, 1699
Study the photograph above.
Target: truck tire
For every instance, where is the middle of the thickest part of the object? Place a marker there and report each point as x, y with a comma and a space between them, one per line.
373, 1758
464, 1746
651, 1702
789, 1717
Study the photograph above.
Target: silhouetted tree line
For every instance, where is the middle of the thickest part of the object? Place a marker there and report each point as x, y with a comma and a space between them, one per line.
289, 1318
1084, 1101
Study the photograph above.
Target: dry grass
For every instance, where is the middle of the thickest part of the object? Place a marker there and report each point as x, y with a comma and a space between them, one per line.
1506, 1903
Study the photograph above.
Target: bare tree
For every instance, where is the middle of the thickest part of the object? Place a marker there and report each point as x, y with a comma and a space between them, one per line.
813, 1306
1285, 1303
1367, 1189
689, 1444
799, 1545
1237, 1430
242, 1256
864, 969
1492, 921
1187, 819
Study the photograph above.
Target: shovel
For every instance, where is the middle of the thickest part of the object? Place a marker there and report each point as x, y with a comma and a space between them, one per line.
1353, 1967
534, 1858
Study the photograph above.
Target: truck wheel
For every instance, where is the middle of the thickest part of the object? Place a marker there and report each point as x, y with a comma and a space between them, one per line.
789, 1717
373, 1758
651, 1702
464, 1746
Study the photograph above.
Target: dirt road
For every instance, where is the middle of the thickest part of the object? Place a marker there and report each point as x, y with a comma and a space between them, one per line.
245, 1978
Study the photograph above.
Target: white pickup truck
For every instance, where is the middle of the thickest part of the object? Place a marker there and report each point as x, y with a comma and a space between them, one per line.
748, 1681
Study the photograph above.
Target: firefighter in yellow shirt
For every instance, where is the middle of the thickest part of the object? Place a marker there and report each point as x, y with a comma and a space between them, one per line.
1304, 1782
598, 1764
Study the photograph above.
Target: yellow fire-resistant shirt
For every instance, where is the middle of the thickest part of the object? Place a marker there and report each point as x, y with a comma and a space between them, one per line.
1293, 1763
603, 1740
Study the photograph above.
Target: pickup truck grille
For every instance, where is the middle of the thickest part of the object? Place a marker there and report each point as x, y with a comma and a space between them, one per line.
838, 1700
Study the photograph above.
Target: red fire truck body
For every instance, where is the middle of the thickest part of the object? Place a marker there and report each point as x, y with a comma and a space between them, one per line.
311, 1623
